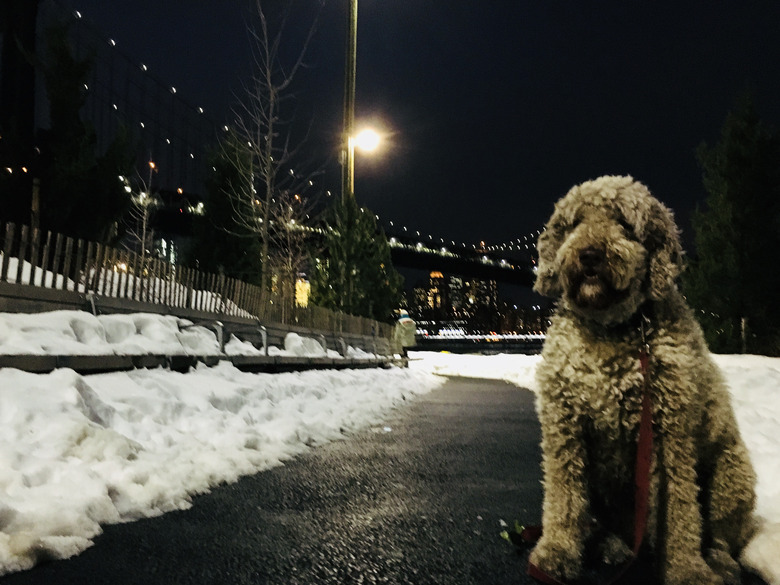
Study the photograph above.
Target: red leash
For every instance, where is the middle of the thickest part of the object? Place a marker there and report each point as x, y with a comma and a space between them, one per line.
644, 453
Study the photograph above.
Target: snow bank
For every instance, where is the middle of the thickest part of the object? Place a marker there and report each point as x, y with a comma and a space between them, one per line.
77, 452
516, 369
81, 333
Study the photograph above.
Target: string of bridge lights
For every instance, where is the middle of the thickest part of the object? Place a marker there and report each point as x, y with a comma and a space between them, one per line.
145, 69
524, 243
527, 242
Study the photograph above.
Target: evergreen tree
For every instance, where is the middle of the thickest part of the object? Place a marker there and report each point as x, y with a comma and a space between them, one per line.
80, 192
356, 276
220, 242
733, 280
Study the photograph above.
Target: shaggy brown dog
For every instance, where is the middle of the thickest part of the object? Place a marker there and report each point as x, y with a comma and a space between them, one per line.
611, 253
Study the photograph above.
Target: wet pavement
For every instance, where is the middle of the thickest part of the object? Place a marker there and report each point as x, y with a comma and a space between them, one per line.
416, 499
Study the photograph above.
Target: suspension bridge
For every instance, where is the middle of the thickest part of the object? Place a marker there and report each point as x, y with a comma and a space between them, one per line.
178, 136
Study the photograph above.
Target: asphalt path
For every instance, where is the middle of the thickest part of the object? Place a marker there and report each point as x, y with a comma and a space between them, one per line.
417, 499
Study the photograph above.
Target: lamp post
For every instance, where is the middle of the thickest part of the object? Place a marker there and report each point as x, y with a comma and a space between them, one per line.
348, 168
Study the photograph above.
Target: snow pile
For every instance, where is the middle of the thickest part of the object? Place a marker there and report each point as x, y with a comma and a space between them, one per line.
296, 345
517, 369
81, 333
117, 282
77, 452
42, 277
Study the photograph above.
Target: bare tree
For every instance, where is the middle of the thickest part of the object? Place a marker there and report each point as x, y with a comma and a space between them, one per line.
139, 235
290, 246
264, 132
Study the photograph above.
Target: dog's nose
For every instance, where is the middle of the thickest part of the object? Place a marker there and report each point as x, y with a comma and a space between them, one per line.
591, 257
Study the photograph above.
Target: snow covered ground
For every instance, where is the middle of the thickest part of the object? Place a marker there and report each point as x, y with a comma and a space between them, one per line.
80, 451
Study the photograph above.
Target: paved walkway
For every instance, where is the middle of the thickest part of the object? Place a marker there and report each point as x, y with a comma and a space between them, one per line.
416, 499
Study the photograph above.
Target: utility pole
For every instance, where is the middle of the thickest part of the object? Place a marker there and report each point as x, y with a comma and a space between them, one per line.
348, 156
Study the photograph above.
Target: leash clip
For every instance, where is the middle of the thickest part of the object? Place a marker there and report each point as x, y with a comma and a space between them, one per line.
644, 352
642, 322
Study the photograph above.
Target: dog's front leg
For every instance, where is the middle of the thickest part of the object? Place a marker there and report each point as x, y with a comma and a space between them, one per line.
565, 510
681, 540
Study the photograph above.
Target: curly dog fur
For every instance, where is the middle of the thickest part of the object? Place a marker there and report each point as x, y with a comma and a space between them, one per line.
611, 253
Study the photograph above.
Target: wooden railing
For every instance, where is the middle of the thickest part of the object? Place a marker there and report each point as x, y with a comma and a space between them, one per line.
45, 259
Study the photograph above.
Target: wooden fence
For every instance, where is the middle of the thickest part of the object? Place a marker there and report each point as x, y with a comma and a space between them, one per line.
45, 259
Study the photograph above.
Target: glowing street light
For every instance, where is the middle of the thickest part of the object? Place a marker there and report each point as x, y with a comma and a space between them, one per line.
367, 140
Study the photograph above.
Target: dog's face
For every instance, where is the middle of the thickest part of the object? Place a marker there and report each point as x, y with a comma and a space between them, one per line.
608, 247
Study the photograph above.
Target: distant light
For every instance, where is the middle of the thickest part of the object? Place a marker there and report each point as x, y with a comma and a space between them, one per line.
144, 67
173, 89
77, 14
200, 110
112, 42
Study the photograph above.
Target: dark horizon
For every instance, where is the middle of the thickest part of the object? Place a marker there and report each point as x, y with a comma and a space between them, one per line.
495, 110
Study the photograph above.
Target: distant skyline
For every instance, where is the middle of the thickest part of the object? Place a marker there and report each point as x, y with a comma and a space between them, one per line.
495, 108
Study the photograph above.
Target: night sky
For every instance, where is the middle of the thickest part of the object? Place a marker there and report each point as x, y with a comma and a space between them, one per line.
493, 108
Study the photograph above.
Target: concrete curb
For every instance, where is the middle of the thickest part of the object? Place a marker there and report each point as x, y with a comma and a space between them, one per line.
97, 364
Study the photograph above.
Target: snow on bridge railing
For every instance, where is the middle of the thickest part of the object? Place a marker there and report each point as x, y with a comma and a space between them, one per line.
54, 261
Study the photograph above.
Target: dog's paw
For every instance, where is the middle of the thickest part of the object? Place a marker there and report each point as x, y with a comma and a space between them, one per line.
724, 565
559, 559
691, 572
613, 550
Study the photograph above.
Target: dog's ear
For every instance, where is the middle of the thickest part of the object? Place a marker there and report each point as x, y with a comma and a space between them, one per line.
547, 277
662, 241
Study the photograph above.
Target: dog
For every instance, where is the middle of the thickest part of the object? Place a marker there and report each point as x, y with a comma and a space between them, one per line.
611, 255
